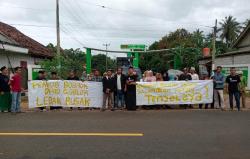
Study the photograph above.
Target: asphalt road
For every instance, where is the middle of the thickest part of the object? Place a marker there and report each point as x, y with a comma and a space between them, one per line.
175, 134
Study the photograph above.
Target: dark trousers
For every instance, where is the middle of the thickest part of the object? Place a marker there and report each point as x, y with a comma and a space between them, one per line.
235, 95
131, 100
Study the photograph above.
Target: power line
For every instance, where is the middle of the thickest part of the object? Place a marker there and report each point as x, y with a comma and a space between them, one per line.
137, 14
72, 37
110, 8
79, 17
76, 16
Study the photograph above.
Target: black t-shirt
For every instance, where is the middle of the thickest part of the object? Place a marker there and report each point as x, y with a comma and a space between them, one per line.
40, 78
4, 83
131, 78
185, 77
233, 83
73, 78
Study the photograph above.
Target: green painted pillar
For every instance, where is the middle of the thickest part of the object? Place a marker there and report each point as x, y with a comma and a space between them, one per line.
177, 62
88, 60
136, 60
129, 54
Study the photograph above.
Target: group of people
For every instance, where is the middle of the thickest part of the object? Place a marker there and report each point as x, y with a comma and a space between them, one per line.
119, 90
234, 84
10, 90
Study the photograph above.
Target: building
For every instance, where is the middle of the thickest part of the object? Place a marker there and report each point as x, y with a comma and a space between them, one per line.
17, 49
239, 58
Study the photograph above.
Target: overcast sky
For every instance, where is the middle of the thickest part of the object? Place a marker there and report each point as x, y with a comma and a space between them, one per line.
86, 23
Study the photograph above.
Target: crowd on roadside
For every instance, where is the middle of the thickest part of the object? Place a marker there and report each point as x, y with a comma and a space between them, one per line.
119, 90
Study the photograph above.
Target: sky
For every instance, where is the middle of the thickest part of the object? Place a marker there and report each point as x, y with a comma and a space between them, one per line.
92, 23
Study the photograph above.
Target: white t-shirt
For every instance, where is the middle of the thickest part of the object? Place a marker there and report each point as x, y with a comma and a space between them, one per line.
194, 76
119, 85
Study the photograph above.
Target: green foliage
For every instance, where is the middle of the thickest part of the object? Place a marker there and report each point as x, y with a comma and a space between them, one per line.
187, 46
74, 59
229, 29
99, 62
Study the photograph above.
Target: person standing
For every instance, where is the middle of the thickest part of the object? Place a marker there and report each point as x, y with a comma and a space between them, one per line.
243, 85
219, 81
150, 77
5, 95
73, 77
16, 89
41, 77
108, 91
159, 77
204, 77
96, 77
54, 77
131, 89
165, 75
185, 76
193, 74
120, 81
233, 81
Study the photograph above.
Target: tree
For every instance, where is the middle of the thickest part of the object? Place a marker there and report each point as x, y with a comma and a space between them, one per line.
99, 62
184, 45
230, 29
198, 38
73, 59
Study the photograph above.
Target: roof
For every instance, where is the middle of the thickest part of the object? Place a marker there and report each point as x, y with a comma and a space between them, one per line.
241, 36
35, 48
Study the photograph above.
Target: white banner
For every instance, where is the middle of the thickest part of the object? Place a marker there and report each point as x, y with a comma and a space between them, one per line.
174, 92
65, 93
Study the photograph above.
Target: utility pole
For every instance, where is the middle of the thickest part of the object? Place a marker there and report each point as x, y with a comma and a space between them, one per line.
58, 36
106, 45
214, 46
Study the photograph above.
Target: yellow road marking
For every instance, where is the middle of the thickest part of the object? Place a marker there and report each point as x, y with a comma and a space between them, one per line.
75, 134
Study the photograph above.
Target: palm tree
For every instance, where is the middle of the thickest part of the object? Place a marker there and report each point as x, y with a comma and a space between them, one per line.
198, 37
229, 29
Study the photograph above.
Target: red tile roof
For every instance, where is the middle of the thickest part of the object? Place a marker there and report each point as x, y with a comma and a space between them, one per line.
35, 48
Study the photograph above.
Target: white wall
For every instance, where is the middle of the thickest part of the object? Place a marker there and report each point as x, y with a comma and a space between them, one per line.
16, 58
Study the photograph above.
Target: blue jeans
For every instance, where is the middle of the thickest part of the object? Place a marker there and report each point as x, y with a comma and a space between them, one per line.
236, 95
16, 101
119, 98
